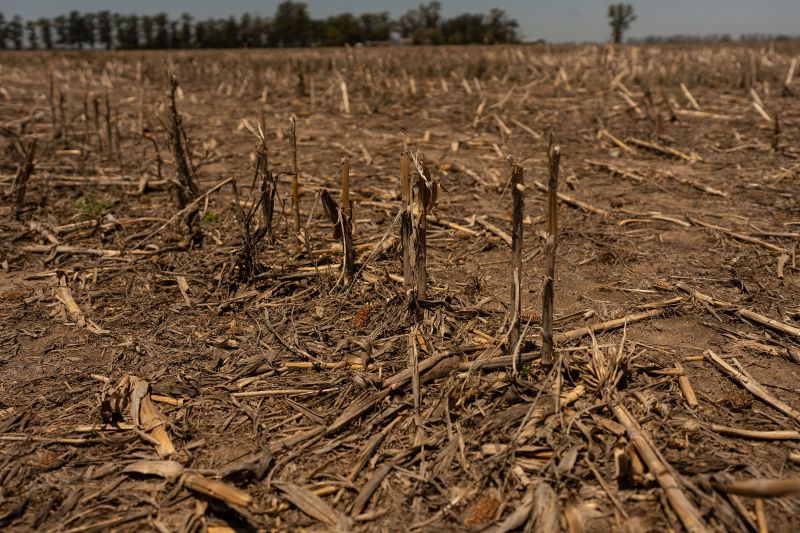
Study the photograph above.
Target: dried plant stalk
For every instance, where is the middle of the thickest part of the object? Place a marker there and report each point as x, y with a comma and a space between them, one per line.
688, 514
96, 106
406, 224
85, 119
779, 434
186, 188
550, 258
63, 119
246, 265
109, 136
787, 91
269, 189
346, 222
20, 184
420, 246
53, 117
217, 489
295, 177
346, 188
517, 194
150, 417
413, 365
345, 98
754, 387
761, 488
746, 314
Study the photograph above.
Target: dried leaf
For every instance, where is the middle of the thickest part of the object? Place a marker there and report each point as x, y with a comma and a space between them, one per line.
573, 516
309, 503
546, 512
169, 470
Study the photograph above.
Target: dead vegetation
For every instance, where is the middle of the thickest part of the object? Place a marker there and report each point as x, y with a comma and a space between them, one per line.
339, 307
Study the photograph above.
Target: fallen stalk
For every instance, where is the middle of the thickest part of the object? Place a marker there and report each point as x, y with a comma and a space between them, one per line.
752, 316
740, 236
578, 204
755, 435
609, 325
667, 478
754, 387
761, 488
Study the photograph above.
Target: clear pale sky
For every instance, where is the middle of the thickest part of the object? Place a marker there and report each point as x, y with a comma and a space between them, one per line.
552, 20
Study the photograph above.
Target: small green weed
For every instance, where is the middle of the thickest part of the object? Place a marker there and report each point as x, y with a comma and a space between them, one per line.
91, 206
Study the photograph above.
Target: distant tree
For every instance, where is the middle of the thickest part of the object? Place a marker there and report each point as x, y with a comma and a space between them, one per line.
620, 18
46, 31
33, 36
148, 31
408, 23
342, 29
3, 31
62, 31
104, 29
76, 29
201, 34
376, 26
231, 34
174, 34
132, 33
207, 34
426, 16
127, 29
464, 29
499, 28
118, 21
246, 36
430, 14
185, 35
317, 29
16, 31
263, 29
423, 24
210, 33
291, 25
90, 29
254, 31
162, 30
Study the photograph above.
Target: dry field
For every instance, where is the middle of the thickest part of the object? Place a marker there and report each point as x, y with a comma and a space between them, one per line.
209, 367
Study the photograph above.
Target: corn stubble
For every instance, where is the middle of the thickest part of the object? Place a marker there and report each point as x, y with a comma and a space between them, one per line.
344, 340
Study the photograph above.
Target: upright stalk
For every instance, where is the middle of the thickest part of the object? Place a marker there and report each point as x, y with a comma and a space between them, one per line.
295, 177
346, 221
423, 204
550, 258
406, 221
517, 195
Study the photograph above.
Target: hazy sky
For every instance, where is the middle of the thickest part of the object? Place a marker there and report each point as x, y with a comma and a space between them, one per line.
553, 20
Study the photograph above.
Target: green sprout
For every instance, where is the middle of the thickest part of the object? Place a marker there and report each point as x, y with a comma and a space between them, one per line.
91, 206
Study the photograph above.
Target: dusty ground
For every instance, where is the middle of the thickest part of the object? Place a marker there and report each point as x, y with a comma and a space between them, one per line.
325, 442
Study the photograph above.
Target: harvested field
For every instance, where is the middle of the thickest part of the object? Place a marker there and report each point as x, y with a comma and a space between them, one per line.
183, 350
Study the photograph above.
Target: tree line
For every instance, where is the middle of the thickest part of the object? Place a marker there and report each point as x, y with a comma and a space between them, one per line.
291, 25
